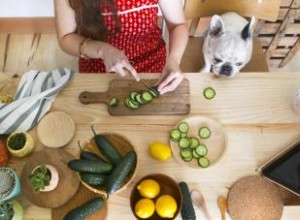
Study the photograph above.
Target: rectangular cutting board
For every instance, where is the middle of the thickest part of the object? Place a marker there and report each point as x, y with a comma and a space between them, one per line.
172, 103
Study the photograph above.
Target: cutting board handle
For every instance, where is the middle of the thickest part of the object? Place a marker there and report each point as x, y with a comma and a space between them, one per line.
93, 97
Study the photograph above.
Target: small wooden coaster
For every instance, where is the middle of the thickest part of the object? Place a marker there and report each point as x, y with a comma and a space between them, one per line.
56, 129
82, 196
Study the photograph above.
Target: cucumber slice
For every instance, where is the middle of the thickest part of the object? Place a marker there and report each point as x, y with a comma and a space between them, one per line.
133, 95
195, 155
203, 162
183, 127
184, 143
138, 98
132, 104
146, 96
113, 102
194, 142
209, 93
201, 150
183, 134
204, 132
175, 135
187, 159
186, 153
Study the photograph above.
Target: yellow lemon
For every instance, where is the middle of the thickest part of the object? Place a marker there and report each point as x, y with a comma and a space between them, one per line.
166, 206
160, 151
144, 208
149, 188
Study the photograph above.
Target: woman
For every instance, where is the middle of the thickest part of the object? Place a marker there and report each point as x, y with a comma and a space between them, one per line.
120, 35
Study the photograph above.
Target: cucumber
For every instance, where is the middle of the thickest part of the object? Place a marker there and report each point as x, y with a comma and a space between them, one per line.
195, 155
183, 127
146, 96
83, 211
90, 166
184, 143
209, 93
203, 162
113, 102
88, 155
93, 179
175, 135
204, 132
107, 148
194, 142
201, 150
116, 179
186, 153
187, 210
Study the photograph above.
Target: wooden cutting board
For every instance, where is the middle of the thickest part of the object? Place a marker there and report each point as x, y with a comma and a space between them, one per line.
173, 103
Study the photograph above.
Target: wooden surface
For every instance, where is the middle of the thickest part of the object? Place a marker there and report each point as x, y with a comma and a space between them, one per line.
82, 196
173, 103
254, 108
68, 181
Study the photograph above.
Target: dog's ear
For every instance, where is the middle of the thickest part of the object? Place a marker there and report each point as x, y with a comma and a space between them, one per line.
248, 29
216, 27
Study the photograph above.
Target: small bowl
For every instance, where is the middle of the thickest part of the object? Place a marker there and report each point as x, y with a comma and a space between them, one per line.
167, 186
216, 143
121, 144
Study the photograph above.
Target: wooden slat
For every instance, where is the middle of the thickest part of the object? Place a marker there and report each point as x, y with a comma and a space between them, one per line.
27, 25
267, 9
291, 54
270, 28
286, 3
282, 13
281, 52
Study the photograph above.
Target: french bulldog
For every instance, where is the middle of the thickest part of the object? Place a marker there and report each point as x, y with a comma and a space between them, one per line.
228, 44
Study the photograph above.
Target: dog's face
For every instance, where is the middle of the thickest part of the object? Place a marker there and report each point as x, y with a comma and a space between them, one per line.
228, 50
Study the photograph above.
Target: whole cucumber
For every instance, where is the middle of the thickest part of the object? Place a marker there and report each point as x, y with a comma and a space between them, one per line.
187, 210
107, 148
117, 177
94, 179
83, 211
90, 166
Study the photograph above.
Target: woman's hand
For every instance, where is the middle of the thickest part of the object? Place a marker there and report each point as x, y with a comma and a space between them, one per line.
170, 78
116, 61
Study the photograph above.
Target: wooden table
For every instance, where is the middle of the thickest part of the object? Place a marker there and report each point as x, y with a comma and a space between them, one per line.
255, 109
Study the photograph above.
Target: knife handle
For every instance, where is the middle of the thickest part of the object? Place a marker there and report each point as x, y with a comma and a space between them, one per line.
94, 97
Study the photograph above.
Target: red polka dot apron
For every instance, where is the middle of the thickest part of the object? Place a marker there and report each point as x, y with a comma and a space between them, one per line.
140, 38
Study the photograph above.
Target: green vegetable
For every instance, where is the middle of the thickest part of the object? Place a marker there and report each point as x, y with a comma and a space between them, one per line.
17, 141
120, 173
209, 93
107, 148
203, 162
187, 210
183, 127
113, 102
90, 166
184, 143
83, 211
93, 179
204, 132
175, 135
201, 150
88, 155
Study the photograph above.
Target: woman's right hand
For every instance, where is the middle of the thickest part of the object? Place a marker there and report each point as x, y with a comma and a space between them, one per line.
116, 61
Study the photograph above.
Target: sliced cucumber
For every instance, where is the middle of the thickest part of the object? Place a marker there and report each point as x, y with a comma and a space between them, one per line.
209, 93
113, 102
195, 155
133, 104
147, 97
183, 127
186, 153
133, 95
194, 142
183, 134
175, 135
201, 150
138, 98
203, 162
184, 143
204, 132
187, 159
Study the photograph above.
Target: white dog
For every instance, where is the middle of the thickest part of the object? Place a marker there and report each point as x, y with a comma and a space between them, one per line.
228, 44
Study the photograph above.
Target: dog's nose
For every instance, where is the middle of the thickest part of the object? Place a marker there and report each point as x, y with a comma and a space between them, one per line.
226, 70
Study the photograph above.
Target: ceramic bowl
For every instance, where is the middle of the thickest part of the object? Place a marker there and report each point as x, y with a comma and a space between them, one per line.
168, 186
216, 143
123, 145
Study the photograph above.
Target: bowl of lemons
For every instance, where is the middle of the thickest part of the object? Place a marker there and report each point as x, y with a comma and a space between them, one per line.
156, 196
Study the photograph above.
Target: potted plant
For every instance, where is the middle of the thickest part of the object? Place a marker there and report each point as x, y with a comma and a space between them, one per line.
44, 178
20, 144
9, 184
11, 210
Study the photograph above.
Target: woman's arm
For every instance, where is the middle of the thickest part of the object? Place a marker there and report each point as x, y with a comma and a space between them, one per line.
172, 11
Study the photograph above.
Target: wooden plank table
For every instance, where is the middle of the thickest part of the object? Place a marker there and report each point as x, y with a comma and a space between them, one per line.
255, 109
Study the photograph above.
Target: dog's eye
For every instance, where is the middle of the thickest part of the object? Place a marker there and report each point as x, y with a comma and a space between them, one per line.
217, 60
239, 64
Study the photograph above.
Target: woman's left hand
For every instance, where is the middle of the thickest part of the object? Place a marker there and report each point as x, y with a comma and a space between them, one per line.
170, 78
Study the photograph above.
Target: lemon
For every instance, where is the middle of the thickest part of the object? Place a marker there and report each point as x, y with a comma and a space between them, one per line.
166, 206
149, 188
160, 151
144, 208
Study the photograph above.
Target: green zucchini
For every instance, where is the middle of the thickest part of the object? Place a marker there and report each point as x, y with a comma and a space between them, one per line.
93, 179
209, 93
83, 211
116, 179
107, 148
90, 166
187, 210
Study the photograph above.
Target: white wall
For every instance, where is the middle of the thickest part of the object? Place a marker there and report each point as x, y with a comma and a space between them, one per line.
26, 8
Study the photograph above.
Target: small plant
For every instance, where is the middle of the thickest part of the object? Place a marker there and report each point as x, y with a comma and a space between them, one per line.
6, 211
40, 178
17, 141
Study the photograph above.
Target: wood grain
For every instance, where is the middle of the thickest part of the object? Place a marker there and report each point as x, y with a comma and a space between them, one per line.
68, 180
176, 102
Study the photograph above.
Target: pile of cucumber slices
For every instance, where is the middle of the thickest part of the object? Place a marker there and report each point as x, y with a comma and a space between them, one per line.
190, 146
136, 99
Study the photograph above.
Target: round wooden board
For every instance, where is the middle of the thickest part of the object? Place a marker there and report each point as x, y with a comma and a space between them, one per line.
56, 129
68, 180
82, 196
216, 143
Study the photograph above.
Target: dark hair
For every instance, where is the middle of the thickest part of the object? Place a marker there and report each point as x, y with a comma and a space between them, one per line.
90, 22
